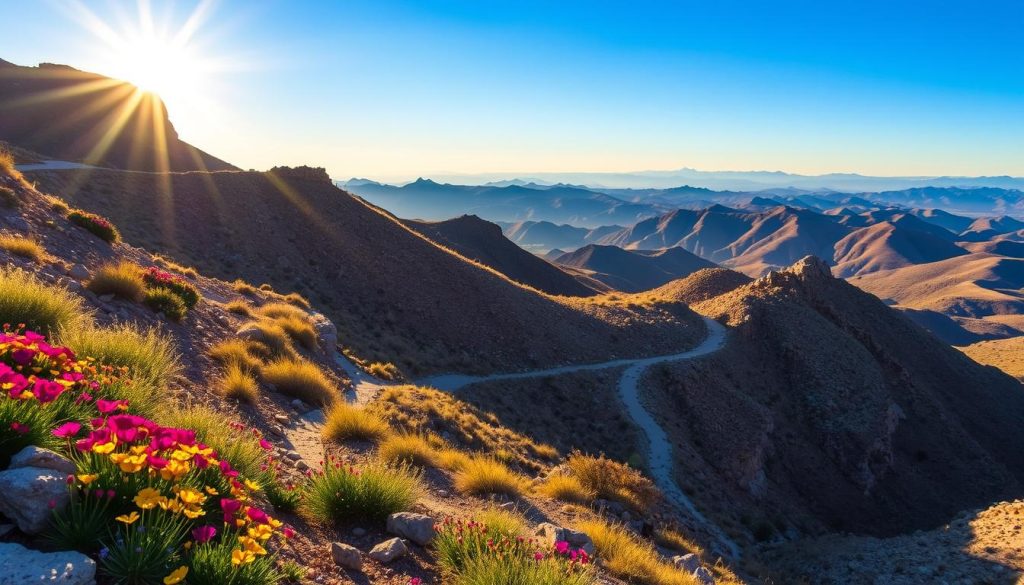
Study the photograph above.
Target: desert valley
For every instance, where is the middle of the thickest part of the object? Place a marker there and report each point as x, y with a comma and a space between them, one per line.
214, 375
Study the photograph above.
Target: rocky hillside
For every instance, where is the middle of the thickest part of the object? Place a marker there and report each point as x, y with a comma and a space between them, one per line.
395, 295
632, 270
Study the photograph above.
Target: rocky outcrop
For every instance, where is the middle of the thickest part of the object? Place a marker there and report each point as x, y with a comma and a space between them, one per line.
33, 487
22, 566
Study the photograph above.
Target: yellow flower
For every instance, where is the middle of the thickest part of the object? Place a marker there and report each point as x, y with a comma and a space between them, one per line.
190, 496
103, 448
239, 557
251, 545
192, 512
148, 498
88, 478
180, 455
176, 576
128, 518
132, 463
212, 491
261, 531
252, 485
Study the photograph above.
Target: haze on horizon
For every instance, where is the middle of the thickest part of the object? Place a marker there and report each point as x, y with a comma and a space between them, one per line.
393, 90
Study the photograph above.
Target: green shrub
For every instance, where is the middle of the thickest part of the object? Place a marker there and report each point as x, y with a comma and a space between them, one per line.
340, 494
143, 557
346, 422
23, 424
165, 301
160, 279
210, 564
41, 307
123, 280
99, 226
301, 379
24, 247
284, 498
77, 526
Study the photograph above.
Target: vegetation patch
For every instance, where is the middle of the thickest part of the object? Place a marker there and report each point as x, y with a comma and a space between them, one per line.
27, 301
123, 280
24, 247
626, 556
613, 480
301, 379
238, 352
484, 475
567, 488
161, 279
346, 422
99, 226
239, 384
384, 370
164, 301
339, 493
408, 448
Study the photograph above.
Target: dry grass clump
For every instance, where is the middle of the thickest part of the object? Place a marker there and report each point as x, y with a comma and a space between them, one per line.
270, 335
567, 488
346, 422
123, 280
23, 246
276, 310
625, 555
297, 300
45, 308
451, 458
299, 330
613, 480
242, 287
300, 379
238, 352
383, 370
671, 538
239, 307
484, 475
238, 383
408, 448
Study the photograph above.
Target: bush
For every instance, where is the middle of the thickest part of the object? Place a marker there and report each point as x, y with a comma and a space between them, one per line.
238, 383
299, 330
482, 475
567, 488
626, 556
149, 355
346, 422
239, 307
21, 425
237, 352
297, 300
301, 379
45, 308
411, 449
123, 280
159, 279
161, 300
613, 480
271, 336
451, 459
673, 539
24, 247
211, 563
99, 226
343, 494
242, 287
278, 310
384, 371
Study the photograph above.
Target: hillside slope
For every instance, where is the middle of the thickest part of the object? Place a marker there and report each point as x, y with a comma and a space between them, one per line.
396, 295
633, 270
66, 114
483, 241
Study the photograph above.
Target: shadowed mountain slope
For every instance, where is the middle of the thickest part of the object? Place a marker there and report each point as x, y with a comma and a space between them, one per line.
828, 410
66, 114
483, 241
886, 245
392, 292
633, 270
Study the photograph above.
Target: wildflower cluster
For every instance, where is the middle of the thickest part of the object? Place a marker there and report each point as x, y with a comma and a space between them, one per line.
157, 278
156, 502
469, 551
98, 225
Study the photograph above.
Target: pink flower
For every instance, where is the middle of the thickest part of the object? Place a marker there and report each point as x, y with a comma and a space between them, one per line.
257, 515
204, 533
561, 547
537, 556
288, 532
23, 357
19, 428
266, 444
109, 406
66, 430
46, 391
229, 506
415, 581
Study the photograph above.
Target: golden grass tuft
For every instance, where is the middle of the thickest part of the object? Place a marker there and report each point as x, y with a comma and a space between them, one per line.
300, 330
238, 383
613, 480
271, 336
301, 379
242, 287
567, 488
451, 459
239, 307
383, 370
24, 247
626, 556
297, 300
238, 352
671, 538
408, 448
346, 423
276, 310
41, 307
123, 280
484, 475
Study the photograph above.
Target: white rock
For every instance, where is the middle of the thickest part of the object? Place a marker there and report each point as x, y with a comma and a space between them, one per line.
346, 556
79, 272
548, 534
31, 494
22, 566
389, 550
33, 456
687, 563
418, 528
704, 576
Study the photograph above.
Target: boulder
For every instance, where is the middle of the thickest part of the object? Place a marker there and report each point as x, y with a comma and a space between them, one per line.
346, 556
389, 550
22, 566
326, 332
79, 272
31, 494
33, 456
703, 576
416, 527
687, 563
548, 534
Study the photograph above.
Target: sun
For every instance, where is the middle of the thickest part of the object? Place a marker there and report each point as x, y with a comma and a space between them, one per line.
159, 65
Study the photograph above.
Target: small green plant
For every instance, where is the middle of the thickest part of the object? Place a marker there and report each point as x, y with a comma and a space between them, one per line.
99, 226
165, 301
142, 553
301, 379
238, 383
346, 422
26, 300
24, 247
22, 425
340, 493
123, 280
292, 572
210, 563
77, 526
160, 279
232, 441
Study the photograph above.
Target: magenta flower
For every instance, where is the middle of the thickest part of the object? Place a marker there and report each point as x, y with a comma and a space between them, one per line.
19, 428
204, 533
561, 547
109, 406
229, 506
266, 444
257, 515
537, 556
66, 430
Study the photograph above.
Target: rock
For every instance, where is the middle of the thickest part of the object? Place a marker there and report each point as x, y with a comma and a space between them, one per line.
507, 506
299, 405
346, 556
389, 550
106, 298
30, 496
301, 465
418, 528
22, 566
79, 272
326, 332
687, 563
282, 418
704, 576
293, 455
33, 456
357, 531
548, 534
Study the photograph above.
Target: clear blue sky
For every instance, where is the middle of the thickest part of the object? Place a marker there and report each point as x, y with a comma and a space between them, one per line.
393, 89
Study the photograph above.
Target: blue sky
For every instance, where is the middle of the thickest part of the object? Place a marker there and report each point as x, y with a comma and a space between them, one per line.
394, 90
